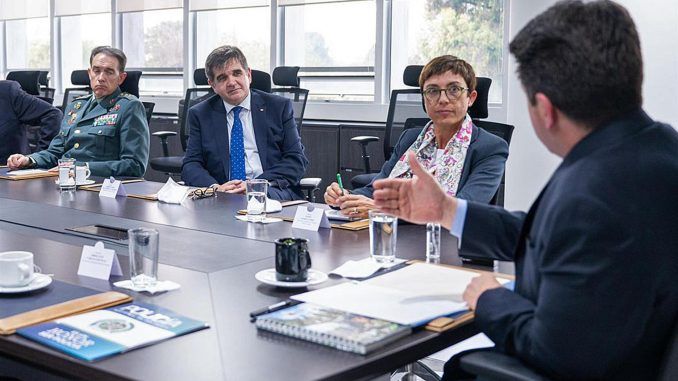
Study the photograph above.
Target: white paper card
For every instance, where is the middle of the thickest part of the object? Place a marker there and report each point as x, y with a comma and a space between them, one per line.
310, 218
20, 172
172, 193
112, 188
362, 268
99, 262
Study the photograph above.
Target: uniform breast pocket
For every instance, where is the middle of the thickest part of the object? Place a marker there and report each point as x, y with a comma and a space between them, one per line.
105, 140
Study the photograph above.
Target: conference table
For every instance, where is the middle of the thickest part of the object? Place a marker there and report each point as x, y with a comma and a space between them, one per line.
214, 257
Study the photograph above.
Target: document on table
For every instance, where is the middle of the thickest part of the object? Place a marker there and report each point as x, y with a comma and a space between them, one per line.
24, 172
413, 295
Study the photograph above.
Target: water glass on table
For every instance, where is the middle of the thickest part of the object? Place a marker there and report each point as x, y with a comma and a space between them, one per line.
66, 167
383, 236
256, 199
432, 243
143, 256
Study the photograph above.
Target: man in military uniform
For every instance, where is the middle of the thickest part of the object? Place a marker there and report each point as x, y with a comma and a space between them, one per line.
107, 129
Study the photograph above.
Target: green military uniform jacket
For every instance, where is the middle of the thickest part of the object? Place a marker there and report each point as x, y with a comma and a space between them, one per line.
113, 137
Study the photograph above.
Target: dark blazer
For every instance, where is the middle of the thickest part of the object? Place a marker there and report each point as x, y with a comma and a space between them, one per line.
18, 108
482, 171
596, 258
207, 159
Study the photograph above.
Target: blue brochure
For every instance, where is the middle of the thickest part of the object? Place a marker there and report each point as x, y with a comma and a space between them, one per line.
98, 334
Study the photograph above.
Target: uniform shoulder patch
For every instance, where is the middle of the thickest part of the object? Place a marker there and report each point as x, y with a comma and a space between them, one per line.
127, 96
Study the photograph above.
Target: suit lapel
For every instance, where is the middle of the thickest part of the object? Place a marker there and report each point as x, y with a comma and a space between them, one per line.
219, 127
260, 126
527, 225
101, 108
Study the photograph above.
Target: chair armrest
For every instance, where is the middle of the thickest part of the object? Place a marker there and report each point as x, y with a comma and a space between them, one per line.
490, 365
365, 139
311, 182
164, 134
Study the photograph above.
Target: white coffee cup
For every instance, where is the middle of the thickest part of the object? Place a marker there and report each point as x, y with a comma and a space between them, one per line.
16, 268
82, 173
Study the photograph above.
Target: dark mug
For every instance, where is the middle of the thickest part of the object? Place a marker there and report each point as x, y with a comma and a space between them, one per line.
292, 259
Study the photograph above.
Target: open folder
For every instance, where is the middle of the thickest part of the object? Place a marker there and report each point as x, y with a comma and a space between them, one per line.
413, 295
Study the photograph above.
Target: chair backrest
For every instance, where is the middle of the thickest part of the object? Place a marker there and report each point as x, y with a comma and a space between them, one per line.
261, 81
148, 107
131, 83
288, 79
28, 80
79, 78
193, 96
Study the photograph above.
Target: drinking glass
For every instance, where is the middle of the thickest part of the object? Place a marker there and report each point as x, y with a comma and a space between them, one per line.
383, 236
66, 168
256, 199
143, 256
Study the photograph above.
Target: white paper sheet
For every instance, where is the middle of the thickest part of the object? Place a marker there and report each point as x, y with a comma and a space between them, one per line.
362, 268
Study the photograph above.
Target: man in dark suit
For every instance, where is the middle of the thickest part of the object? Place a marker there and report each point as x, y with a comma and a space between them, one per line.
18, 108
596, 260
241, 134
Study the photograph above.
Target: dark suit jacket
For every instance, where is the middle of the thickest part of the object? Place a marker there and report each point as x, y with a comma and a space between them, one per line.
482, 170
207, 159
596, 258
18, 108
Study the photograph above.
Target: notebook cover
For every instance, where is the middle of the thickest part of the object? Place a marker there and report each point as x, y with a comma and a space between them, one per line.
55, 293
338, 329
99, 334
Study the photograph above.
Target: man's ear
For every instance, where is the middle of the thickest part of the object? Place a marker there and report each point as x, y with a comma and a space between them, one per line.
546, 110
122, 78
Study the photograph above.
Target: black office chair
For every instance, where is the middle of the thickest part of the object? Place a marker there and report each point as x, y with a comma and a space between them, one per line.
46, 92
172, 164
79, 78
261, 81
286, 78
404, 111
29, 80
495, 366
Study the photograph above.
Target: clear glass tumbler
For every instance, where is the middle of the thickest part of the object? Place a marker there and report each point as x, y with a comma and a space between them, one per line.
143, 256
256, 199
383, 236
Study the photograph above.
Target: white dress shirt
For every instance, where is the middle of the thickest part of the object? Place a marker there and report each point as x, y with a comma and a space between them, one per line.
253, 166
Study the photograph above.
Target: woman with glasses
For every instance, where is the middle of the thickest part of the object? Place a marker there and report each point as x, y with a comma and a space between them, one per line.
468, 162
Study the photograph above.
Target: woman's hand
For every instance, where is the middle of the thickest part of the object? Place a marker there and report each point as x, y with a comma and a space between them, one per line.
332, 193
354, 205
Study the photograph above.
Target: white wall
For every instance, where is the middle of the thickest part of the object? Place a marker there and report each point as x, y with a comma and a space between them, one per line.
530, 165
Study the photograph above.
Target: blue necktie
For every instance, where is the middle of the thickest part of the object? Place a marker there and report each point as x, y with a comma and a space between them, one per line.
237, 147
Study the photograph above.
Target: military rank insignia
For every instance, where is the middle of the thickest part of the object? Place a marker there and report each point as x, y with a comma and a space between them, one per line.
72, 116
116, 107
106, 120
77, 105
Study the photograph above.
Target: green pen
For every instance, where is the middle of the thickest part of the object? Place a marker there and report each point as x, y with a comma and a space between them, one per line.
341, 184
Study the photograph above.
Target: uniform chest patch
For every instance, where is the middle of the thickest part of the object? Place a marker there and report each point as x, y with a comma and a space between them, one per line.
106, 120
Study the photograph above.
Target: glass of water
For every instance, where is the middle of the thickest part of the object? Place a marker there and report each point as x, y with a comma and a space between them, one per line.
66, 168
256, 199
143, 256
383, 236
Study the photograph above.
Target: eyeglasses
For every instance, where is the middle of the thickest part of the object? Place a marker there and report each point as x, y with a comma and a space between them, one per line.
452, 92
203, 193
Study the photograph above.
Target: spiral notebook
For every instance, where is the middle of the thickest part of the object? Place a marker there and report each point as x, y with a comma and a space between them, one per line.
341, 330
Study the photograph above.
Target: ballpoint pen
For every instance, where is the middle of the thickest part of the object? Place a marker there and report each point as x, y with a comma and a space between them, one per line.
341, 184
272, 308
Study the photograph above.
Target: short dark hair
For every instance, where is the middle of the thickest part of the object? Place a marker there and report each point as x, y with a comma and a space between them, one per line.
585, 57
221, 56
443, 64
110, 51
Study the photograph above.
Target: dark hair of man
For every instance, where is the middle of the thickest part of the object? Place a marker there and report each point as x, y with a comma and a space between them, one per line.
112, 52
221, 56
585, 57
443, 64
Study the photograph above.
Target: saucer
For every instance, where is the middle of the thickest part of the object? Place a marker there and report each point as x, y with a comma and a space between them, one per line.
39, 281
85, 182
268, 276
